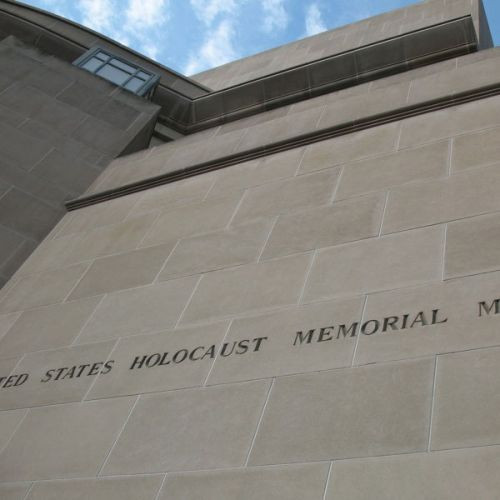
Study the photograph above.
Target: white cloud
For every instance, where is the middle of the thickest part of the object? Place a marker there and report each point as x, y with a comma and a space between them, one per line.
217, 49
207, 10
314, 21
275, 15
143, 14
97, 14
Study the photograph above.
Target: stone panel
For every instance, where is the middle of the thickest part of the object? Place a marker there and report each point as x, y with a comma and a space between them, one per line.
471, 193
473, 150
57, 376
289, 195
153, 363
47, 327
249, 288
216, 430
282, 351
376, 264
426, 162
460, 474
9, 420
467, 400
472, 246
125, 270
350, 147
139, 310
64, 441
233, 246
294, 482
119, 488
338, 223
353, 412
14, 491
460, 323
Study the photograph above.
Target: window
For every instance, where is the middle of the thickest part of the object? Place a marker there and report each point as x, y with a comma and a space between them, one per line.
127, 75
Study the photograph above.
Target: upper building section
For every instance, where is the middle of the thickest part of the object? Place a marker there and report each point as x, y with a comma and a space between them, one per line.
348, 38
384, 45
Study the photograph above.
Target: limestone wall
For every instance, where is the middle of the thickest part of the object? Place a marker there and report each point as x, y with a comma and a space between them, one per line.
321, 323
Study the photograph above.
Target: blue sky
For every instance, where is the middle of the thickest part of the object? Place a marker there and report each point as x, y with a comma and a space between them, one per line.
193, 35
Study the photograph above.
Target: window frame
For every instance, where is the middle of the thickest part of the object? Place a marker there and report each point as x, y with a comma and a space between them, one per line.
145, 90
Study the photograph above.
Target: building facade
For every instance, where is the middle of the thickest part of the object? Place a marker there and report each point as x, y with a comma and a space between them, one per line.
277, 280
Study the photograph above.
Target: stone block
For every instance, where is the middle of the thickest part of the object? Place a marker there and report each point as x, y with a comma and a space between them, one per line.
233, 246
42, 289
47, 327
467, 400
116, 488
473, 150
216, 430
457, 474
472, 246
467, 324
292, 342
125, 270
338, 223
231, 292
257, 172
175, 359
294, 482
389, 262
353, 412
463, 195
64, 441
377, 174
139, 310
56, 376
350, 147
9, 420
6, 321
192, 219
286, 196
14, 491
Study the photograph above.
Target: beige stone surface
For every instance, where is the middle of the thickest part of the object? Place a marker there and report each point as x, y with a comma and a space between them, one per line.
248, 288
44, 387
473, 150
215, 431
176, 193
285, 196
393, 261
295, 482
42, 289
458, 474
472, 246
458, 303
382, 172
125, 270
282, 353
119, 488
9, 420
192, 219
350, 147
256, 172
139, 310
352, 412
6, 322
233, 246
141, 365
338, 223
64, 441
14, 491
467, 400
471, 193
47, 327
430, 127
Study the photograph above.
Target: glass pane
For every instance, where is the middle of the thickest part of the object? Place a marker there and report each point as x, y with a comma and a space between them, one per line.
134, 84
145, 76
102, 56
92, 64
113, 74
123, 66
